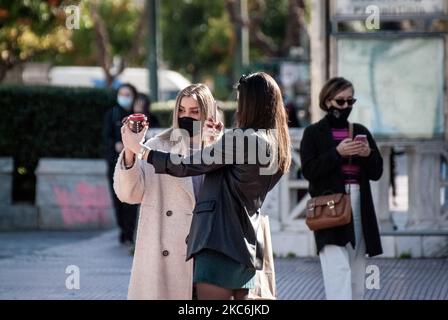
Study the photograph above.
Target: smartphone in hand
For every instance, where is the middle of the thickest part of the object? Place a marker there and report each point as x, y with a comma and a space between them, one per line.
361, 138
136, 122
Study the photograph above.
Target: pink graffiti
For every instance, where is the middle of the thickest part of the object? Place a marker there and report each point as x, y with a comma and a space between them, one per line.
85, 204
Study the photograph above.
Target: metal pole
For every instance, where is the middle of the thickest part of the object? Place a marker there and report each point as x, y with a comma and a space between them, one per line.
237, 67
319, 52
242, 41
153, 64
244, 35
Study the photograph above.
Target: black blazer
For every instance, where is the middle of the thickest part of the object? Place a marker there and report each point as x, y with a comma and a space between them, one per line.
321, 166
227, 214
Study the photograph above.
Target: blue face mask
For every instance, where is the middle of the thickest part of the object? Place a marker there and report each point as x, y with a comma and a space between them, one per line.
125, 102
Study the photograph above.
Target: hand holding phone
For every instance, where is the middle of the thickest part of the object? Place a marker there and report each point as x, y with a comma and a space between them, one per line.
361, 138
365, 149
136, 122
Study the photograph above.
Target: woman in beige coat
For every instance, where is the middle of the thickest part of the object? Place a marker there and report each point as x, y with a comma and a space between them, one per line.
159, 269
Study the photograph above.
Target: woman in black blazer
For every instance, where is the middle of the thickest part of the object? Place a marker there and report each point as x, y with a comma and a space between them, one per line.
240, 169
324, 152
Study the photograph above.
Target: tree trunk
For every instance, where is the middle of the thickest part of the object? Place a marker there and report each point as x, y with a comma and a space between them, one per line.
102, 43
256, 36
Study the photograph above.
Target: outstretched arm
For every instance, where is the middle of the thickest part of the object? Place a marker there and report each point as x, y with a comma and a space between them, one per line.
203, 161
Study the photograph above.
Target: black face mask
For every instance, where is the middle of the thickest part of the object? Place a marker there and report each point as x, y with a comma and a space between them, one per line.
339, 115
186, 123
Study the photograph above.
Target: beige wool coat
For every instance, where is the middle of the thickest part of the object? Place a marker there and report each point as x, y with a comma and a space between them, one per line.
159, 269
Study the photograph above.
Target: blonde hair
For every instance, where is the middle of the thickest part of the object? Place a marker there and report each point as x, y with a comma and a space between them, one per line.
202, 94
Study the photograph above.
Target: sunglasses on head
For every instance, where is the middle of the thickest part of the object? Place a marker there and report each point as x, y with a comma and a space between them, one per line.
341, 102
242, 80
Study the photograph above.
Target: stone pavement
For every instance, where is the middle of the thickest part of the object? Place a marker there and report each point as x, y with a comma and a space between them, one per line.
33, 266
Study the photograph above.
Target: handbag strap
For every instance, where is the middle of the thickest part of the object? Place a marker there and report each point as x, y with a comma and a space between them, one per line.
350, 135
350, 130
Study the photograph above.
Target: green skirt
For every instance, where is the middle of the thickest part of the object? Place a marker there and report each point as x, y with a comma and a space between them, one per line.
218, 269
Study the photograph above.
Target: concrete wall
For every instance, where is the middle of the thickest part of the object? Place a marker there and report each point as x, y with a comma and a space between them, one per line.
13, 217
73, 194
6, 168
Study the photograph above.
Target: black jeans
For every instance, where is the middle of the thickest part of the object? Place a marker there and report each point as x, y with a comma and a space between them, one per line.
126, 214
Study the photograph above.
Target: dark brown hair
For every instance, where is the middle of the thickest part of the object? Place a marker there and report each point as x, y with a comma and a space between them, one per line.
260, 106
331, 88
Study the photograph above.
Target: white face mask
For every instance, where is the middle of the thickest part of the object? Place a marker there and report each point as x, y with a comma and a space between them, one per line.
125, 102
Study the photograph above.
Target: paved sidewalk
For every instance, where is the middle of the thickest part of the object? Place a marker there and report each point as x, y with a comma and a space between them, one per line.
33, 264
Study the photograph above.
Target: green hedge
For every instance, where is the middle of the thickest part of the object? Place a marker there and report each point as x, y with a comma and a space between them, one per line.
57, 122
42, 121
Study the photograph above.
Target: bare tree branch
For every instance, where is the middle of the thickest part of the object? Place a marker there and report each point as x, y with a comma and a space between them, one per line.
295, 23
293, 26
256, 35
104, 47
139, 32
102, 42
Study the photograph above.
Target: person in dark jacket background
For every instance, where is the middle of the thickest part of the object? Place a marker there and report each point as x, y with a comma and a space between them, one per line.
126, 214
324, 152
